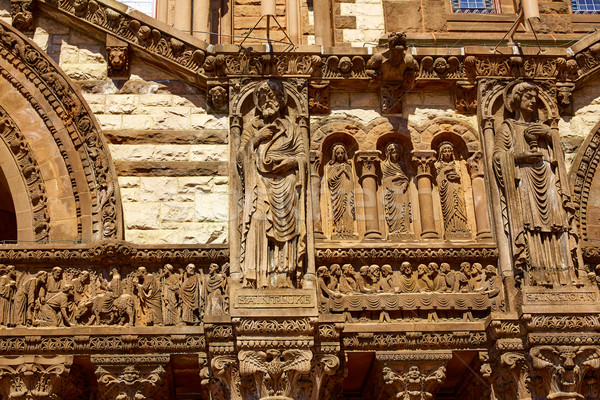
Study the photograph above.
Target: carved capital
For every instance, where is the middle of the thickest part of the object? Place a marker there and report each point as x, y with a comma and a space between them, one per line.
367, 163
562, 369
315, 158
324, 377
131, 377
21, 12
275, 372
423, 161
33, 377
475, 165
412, 375
225, 368
510, 376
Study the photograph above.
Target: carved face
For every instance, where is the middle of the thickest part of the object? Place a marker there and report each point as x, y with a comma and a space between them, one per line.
406, 268
118, 58
339, 154
375, 272
218, 96
189, 269
57, 274
414, 373
394, 152
142, 271
528, 100
214, 268
445, 268
447, 152
130, 374
422, 269
268, 100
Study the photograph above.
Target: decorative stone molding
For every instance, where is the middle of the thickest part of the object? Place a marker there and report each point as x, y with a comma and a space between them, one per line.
33, 377
21, 12
131, 377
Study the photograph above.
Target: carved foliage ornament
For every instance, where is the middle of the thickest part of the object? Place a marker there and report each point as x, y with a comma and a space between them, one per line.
33, 377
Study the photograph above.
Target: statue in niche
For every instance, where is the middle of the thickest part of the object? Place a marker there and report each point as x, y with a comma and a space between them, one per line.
149, 294
529, 167
450, 188
189, 293
273, 168
341, 192
170, 299
396, 198
216, 291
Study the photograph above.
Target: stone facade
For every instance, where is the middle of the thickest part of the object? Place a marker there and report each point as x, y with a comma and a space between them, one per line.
407, 220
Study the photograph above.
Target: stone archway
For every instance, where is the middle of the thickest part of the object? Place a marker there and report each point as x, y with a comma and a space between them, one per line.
56, 162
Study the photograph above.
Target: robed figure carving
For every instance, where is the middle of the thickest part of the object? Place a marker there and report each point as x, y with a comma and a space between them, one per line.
449, 183
341, 192
529, 167
273, 166
396, 198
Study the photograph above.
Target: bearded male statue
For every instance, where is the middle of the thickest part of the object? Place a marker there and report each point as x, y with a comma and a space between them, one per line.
273, 166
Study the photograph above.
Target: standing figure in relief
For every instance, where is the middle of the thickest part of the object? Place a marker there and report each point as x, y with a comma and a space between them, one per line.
189, 293
170, 291
216, 291
149, 294
55, 281
341, 192
529, 168
30, 295
7, 291
272, 163
449, 184
395, 196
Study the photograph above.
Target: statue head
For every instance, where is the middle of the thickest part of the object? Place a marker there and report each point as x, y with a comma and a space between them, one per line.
445, 268
374, 272
406, 268
142, 271
270, 98
338, 153
393, 152
168, 268
348, 269
446, 151
218, 96
335, 270
117, 58
386, 270
523, 98
190, 269
490, 270
322, 271
364, 270
213, 268
57, 272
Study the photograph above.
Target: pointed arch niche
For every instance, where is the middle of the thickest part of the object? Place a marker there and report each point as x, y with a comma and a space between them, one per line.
55, 167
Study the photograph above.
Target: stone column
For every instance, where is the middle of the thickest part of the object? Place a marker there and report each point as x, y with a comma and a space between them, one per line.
482, 222
162, 11
226, 22
33, 377
424, 160
183, 15
368, 164
323, 23
315, 182
201, 19
131, 377
293, 20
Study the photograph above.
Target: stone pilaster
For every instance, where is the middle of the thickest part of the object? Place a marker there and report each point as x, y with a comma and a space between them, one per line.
423, 160
368, 165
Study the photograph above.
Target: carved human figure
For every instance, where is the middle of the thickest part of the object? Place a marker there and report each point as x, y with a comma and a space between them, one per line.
477, 279
425, 284
438, 280
115, 285
324, 292
450, 188
335, 273
529, 168
216, 291
375, 275
363, 280
273, 166
493, 287
347, 283
56, 310
341, 192
408, 279
29, 297
7, 292
170, 295
462, 277
55, 281
149, 294
190, 296
450, 277
386, 283
396, 199
84, 289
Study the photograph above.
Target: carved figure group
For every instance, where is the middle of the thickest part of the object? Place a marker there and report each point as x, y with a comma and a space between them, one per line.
79, 297
273, 167
336, 281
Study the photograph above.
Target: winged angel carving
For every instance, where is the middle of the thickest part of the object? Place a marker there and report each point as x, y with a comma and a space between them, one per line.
414, 384
275, 372
564, 367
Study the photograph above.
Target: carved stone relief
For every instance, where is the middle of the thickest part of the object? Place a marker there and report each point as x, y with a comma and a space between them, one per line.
33, 377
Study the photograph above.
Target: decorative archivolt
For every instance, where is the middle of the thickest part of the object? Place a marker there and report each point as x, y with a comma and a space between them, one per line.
58, 133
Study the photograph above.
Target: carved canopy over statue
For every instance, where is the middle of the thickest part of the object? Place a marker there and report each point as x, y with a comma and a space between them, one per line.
272, 165
538, 212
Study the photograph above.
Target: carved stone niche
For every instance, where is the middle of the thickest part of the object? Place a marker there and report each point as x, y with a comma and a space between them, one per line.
131, 377
117, 53
532, 207
33, 377
271, 235
408, 374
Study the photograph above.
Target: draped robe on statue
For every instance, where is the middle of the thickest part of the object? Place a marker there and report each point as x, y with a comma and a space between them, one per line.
274, 173
396, 198
535, 194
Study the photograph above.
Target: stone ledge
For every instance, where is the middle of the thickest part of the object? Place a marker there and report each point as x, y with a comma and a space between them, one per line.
172, 168
208, 136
